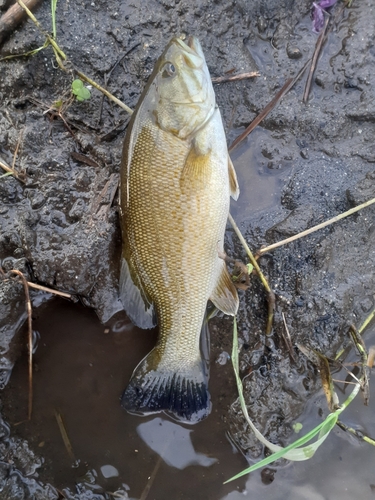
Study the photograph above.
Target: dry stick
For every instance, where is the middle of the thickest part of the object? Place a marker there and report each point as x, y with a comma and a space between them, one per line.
241, 76
345, 382
17, 148
30, 338
288, 339
319, 43
61, 57
148, 486
11, 171
49, 290
12, 18
287, 86
109, 74
316, 228
271, 295
65, 437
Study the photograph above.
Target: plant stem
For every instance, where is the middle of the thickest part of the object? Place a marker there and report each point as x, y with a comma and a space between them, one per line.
30, 338
271, 295
316, 228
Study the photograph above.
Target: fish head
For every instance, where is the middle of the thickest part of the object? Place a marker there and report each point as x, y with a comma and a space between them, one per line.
183, 99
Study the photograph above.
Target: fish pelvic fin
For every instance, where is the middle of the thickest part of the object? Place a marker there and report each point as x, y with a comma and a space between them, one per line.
225, 296
181, 393
233, 182
136, 304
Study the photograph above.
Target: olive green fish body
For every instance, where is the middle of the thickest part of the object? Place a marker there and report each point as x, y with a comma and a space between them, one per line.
175, 190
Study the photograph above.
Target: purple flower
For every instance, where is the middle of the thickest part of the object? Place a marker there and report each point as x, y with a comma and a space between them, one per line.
324, 4
318, 13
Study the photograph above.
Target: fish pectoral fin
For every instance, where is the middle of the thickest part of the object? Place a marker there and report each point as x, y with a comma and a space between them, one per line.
233, 182
225, 295
179, 391
196, 172
136, 304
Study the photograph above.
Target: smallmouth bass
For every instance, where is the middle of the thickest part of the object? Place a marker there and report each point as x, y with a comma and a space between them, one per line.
176, 182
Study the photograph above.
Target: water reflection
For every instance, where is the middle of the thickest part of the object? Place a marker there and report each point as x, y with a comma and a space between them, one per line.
172, 443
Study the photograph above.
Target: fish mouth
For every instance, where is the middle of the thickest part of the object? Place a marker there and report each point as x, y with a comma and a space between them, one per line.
194, 58
192, 50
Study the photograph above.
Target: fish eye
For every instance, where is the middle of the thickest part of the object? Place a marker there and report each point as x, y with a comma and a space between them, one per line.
168, 70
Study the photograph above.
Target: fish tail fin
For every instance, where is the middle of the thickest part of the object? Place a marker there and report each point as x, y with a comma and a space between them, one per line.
180, 392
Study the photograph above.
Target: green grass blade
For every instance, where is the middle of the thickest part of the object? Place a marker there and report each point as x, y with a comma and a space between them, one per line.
296, 451
6, 175
53, 13
25, 54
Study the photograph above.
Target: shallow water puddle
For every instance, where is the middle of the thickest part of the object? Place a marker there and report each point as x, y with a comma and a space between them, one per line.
260, 174
80, 372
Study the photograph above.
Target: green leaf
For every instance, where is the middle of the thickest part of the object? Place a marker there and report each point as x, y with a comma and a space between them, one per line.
297, 427
250, 268
77, 85
80, 91
85, 94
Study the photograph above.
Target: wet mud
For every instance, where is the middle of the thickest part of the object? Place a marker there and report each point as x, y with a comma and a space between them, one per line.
304, 164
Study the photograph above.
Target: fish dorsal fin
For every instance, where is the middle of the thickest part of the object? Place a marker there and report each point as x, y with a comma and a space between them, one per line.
136, 304
233, 182
225, 295
196, 172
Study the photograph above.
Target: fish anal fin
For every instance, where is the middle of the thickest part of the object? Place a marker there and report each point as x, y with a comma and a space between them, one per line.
154, 388
137, 306
197, 170
233, 182
225, 295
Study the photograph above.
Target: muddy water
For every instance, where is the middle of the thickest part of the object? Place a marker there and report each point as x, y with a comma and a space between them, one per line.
81, 370
81, 367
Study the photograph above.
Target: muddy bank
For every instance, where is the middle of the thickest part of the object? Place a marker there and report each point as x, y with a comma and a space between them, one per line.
304, 164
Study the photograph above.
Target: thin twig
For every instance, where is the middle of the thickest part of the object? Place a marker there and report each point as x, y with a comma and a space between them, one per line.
287, 86
108, 75
65, 436
30, 337
104, 91
16, 150
11, 172
287, 339
147, 488
345, 382
271, 295
316, 228
49, 290
319, 43
233, 78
